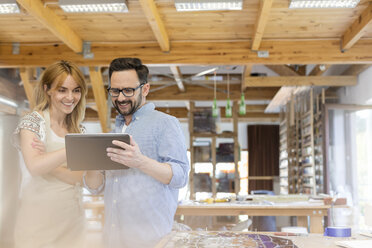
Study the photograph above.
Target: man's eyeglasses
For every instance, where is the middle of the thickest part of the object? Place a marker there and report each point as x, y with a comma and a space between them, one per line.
128, 92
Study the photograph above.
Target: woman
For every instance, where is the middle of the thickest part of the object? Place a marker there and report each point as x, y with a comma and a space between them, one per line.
51, 213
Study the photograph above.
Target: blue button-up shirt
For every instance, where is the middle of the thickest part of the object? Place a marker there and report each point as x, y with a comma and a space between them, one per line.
139, 210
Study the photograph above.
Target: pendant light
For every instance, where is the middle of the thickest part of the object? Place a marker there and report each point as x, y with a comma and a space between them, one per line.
214, 106
242, 108
228, 110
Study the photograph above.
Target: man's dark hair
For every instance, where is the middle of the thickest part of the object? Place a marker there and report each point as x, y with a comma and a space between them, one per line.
123, 64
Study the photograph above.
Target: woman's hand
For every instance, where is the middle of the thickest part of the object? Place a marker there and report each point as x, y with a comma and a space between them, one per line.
38, 145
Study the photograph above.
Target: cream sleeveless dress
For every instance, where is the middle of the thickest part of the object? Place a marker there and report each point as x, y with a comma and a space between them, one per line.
50, 213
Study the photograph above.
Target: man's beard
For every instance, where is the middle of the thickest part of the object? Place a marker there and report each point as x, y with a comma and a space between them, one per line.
133, 107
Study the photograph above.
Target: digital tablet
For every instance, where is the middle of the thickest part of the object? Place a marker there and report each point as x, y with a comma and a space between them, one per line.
88, 151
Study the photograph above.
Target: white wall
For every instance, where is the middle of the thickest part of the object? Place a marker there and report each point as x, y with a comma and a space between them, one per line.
359, 94
343, 168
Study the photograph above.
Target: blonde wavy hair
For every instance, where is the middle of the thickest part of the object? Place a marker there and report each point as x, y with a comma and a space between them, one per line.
58, 72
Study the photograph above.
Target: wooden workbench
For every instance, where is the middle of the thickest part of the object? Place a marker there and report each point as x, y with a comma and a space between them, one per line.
302, 212
315, 212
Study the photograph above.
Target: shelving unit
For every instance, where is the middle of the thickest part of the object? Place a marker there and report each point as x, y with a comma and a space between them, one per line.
213, 140
306, 168
295, 148
301, 129
318, 142
283, 153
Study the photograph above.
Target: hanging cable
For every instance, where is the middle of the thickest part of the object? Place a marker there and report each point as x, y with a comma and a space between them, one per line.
228, 110
214, 106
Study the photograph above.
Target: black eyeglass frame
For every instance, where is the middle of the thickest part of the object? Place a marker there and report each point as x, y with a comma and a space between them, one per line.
123, 89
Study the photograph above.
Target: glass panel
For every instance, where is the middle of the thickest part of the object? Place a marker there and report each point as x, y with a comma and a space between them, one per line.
363, 121
203, 180
243, 173
225, 177
349, 161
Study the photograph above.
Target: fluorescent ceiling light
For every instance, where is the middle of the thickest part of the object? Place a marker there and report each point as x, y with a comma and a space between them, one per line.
205, 72
7, 101
300, 4
94, 6
200, 5
8, 7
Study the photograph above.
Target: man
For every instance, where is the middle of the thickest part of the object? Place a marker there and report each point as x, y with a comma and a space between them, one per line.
140, 202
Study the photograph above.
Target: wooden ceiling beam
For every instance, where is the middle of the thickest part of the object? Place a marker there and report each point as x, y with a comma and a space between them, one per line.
195, 53
246, 73
357, 29
283, 70
319, 70
178, 77
99, 96
155, 79
263, 16
301, 81
255, 108
281, 97
54, 23
355, 70
182, 113
198, 93
156, 23
25, 74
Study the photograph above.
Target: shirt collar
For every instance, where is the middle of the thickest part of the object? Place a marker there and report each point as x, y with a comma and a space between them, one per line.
140, 112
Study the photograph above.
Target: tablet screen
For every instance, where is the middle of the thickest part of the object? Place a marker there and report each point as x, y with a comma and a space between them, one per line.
88, 151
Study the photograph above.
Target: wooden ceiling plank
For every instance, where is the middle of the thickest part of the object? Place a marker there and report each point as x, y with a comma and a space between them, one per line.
54, 23
301, 81
197, 93
195, 53
357, 29
283, 70
177, 76
182, 112
281, 97
262, 18
246, 73
156, 23
355, 70
255, 108
99, 96
319, 70
251, 109
25, 74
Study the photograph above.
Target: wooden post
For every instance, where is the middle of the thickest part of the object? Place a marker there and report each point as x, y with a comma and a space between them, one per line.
192, 166
214, 163
236, 146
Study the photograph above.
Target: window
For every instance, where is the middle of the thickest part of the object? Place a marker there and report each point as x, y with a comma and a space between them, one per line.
349, 161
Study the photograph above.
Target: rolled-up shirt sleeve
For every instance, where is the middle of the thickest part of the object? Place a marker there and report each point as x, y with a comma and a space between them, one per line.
172, 150
97, 191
